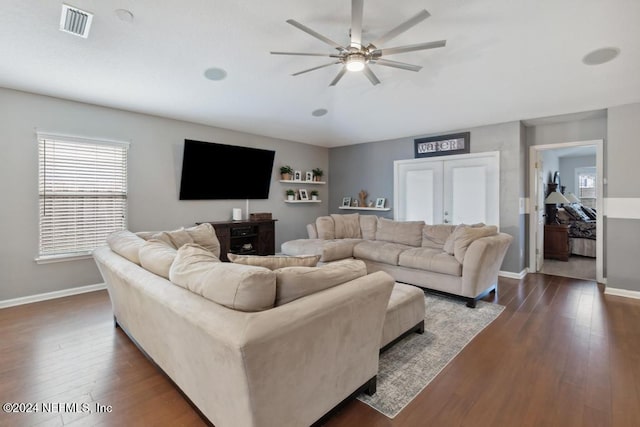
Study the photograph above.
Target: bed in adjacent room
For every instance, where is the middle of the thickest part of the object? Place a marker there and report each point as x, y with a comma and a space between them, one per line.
582, 228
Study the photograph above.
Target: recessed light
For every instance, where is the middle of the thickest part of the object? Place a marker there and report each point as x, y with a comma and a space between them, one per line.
319, 112
124, 15
215, 74
600, 56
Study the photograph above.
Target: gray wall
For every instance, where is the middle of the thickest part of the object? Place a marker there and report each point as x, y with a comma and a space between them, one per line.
370, 167
568, 166
155, 159
622, 243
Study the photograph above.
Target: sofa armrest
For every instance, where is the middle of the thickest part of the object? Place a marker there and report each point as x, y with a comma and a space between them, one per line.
482, 263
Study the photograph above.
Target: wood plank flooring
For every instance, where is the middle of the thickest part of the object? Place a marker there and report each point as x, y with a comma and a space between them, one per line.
561, 354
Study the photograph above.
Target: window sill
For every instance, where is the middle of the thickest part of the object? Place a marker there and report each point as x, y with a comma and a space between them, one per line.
49, 259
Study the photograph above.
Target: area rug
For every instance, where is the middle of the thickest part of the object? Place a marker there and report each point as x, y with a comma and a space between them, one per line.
409, 366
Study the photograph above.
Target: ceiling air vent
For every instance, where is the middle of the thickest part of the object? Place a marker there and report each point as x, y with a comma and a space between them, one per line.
75, 21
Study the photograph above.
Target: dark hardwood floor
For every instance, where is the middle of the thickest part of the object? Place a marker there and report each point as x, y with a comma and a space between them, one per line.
561, 354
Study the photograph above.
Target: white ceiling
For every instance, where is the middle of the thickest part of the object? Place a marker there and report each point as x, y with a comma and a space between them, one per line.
504, 60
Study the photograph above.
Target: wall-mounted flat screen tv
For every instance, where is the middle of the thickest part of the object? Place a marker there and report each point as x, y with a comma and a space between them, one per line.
213, 171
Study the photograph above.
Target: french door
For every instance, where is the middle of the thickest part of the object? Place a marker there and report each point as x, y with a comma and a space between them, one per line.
461, 189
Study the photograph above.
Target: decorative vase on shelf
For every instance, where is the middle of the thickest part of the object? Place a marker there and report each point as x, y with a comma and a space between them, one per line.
290, 197
314, 197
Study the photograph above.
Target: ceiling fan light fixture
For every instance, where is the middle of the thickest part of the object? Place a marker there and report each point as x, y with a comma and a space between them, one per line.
355, 62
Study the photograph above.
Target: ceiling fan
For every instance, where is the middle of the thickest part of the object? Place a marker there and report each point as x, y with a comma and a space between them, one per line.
357, 56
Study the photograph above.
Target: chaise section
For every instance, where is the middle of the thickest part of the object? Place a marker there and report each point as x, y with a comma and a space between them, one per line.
405, 314
329, 250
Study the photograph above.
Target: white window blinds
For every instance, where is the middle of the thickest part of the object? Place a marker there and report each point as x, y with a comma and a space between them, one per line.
83, 193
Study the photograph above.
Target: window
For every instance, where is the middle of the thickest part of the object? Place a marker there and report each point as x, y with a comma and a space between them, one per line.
83, 194
586, 185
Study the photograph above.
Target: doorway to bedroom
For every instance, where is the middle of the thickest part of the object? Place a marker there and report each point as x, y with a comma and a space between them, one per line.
566, 196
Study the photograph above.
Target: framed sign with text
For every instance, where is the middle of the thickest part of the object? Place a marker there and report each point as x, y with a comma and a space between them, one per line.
457, 143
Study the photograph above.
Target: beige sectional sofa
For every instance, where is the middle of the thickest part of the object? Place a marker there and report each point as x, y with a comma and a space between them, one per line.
462, 260
249, 346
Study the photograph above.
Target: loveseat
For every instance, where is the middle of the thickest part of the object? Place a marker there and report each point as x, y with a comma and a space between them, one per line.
249, 346
462, 260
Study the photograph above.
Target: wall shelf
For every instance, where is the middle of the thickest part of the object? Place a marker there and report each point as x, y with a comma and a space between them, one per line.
303, 201
357, 208
291, 181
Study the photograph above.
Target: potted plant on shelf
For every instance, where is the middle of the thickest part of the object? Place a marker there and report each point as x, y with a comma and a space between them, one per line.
286, 172
290, 194
317, 174
314, 195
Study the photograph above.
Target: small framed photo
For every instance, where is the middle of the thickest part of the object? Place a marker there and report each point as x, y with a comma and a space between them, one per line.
346, 202
380, 202
297, 176
303, 194
309, 176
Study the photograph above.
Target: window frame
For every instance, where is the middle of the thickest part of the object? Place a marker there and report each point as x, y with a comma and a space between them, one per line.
41, 137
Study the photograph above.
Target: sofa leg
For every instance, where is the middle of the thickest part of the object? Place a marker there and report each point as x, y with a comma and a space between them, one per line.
420, 328
471, 303
371, 386
115, 322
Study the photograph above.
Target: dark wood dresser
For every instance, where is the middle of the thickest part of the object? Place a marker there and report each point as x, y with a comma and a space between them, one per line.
556, 242
245, 237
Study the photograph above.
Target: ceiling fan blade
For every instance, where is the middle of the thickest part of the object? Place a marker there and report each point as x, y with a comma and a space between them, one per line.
419, 17
356, 23
410, 48
304, 54
338, 77
372, 77
397, 64
314, 34
314, 68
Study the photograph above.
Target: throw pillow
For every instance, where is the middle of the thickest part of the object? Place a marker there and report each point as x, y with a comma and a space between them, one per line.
296, 282
576, 213
464, 236
157, 257
589, 212
236, 286
273, 262
325, 227
404, 232
205, 236
126, 244
434, 236
449, 243
347, 226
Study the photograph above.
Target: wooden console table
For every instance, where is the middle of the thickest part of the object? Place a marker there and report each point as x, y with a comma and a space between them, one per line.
245, 237
556, 242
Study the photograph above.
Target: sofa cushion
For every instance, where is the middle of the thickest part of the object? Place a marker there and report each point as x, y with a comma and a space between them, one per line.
157, 257
329, 250
347, 226
430, 259
403, 232
296, 282
273, 262
236, 286
126, 244
464, 235
205, 236
325, 227
434, 236
449, 246
375, 250
368, 226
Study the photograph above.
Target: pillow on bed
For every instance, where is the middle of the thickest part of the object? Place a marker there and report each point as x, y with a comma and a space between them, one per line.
589, 212
576, 212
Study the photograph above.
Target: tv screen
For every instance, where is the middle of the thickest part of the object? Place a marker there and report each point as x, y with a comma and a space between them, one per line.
213, 171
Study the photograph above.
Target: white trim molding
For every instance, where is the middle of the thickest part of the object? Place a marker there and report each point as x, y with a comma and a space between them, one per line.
622, 292
510, 275
52, 295
622, 207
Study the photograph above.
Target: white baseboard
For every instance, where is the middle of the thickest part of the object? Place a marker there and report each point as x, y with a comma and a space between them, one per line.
52, 295
511, 275
622, 292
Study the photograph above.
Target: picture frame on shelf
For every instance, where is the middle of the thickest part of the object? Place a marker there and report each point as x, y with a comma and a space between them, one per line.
380, 202
297, 176
346, 202
303, 194
308, 176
